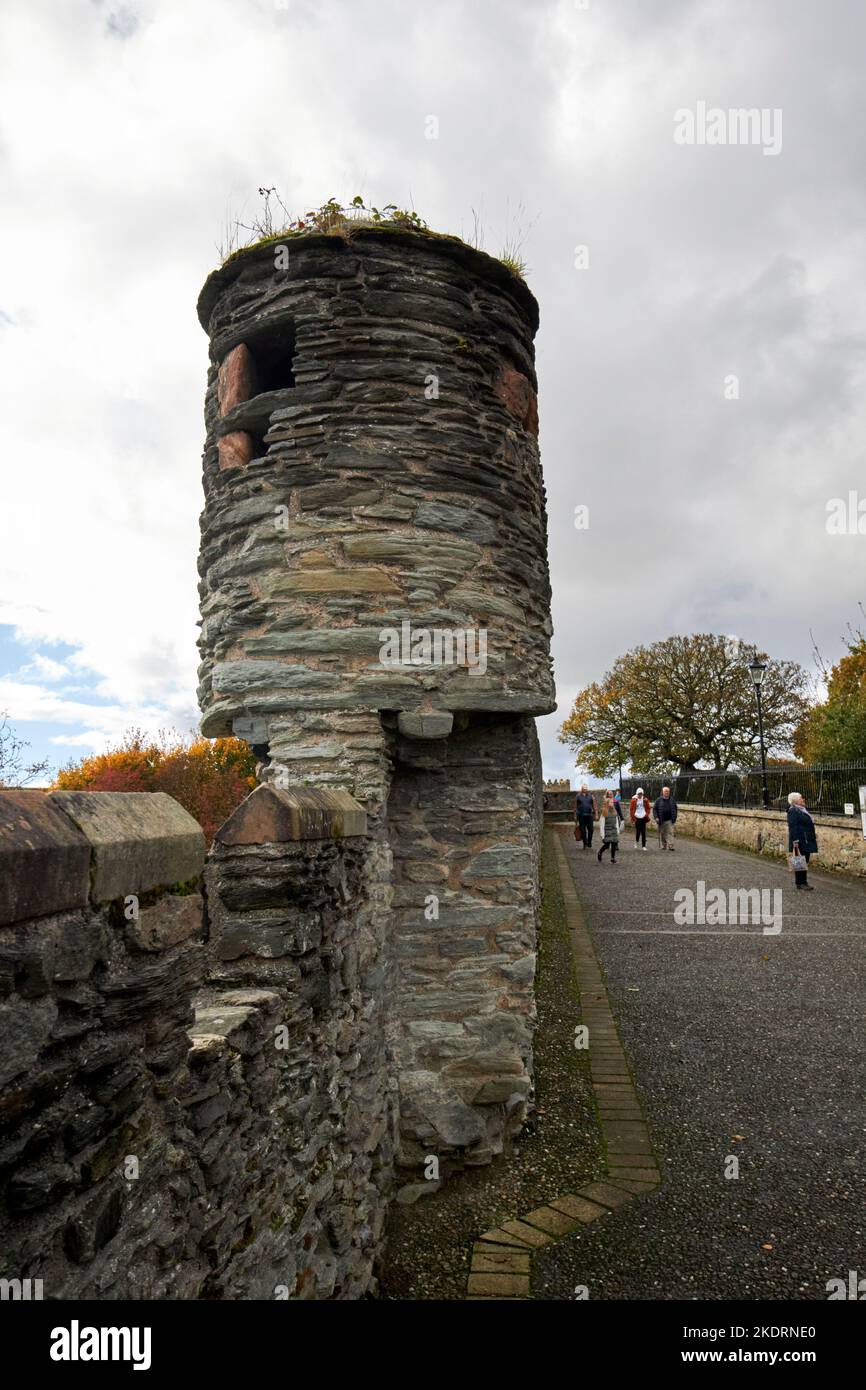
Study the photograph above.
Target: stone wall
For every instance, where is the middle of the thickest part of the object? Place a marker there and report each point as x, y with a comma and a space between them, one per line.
841, 845
559, 804
209, 1084
195, 1096
293, 922
93, 1040
373, 499
457, 820
464, 821
392, 477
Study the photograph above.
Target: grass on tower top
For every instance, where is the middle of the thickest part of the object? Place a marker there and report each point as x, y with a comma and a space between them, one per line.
274, 223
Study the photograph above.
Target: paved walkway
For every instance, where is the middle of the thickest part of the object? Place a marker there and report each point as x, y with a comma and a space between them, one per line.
743, 1045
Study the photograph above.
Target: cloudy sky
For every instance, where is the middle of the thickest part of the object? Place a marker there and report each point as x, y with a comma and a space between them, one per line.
131, 133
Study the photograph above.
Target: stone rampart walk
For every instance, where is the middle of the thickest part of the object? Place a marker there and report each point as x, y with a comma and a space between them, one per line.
729, 1054
747, 1050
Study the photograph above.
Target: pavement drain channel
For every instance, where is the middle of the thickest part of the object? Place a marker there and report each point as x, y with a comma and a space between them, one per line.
501, 1264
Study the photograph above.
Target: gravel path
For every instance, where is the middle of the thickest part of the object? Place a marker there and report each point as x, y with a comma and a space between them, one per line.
741, 1044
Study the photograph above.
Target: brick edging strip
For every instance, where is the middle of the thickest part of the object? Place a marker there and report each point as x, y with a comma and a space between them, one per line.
502, 1258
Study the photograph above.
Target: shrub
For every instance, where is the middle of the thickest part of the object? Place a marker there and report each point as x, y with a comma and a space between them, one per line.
209, 777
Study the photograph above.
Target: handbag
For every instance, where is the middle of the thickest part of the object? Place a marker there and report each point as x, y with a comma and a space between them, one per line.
798, 862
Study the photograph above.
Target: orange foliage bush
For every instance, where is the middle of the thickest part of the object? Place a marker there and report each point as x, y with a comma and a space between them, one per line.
209, 777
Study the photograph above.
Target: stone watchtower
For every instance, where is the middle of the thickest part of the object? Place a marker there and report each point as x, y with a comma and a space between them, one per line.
376, 619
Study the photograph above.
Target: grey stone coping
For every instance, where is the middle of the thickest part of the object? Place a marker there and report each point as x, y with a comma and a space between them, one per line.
63, 850
753, 813
274, 815
44, 858
138, 840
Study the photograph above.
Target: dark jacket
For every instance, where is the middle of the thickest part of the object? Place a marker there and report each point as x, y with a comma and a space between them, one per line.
665, 810
802, 829
584, 805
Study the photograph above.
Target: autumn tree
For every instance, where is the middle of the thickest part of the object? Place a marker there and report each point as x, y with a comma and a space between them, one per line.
835, 730
683, 703
209, 777
15, 771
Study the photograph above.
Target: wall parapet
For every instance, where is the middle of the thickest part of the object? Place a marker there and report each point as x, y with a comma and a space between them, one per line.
64, 850
195, 1095
841, 845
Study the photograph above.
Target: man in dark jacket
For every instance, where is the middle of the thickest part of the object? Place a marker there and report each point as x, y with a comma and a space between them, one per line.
584, 814
665, 816
801, 837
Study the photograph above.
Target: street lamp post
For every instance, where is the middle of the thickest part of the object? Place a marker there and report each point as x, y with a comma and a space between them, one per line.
757, 670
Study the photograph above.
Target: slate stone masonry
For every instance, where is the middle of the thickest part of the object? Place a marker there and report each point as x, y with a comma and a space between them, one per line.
195, 1103
215, 1072
393, 475
99, 959
371, 472
464, 817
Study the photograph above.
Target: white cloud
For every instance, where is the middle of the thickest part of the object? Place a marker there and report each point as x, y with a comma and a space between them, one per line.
46, 667
127, 131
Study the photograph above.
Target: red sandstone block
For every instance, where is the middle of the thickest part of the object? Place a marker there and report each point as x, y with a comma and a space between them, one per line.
235, 450
273, 815
236, 379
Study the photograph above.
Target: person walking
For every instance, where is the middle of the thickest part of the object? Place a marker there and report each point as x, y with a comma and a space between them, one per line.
638, 814
665, 814
802, 840
584, 815
609, 825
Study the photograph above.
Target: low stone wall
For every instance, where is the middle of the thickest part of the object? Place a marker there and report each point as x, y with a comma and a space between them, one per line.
559, 805
241, 1148
304, 1150
841, 845
98, 963
212, 1071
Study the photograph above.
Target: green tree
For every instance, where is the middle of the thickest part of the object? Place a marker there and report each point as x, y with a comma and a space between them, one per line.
835, 731
683, 703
